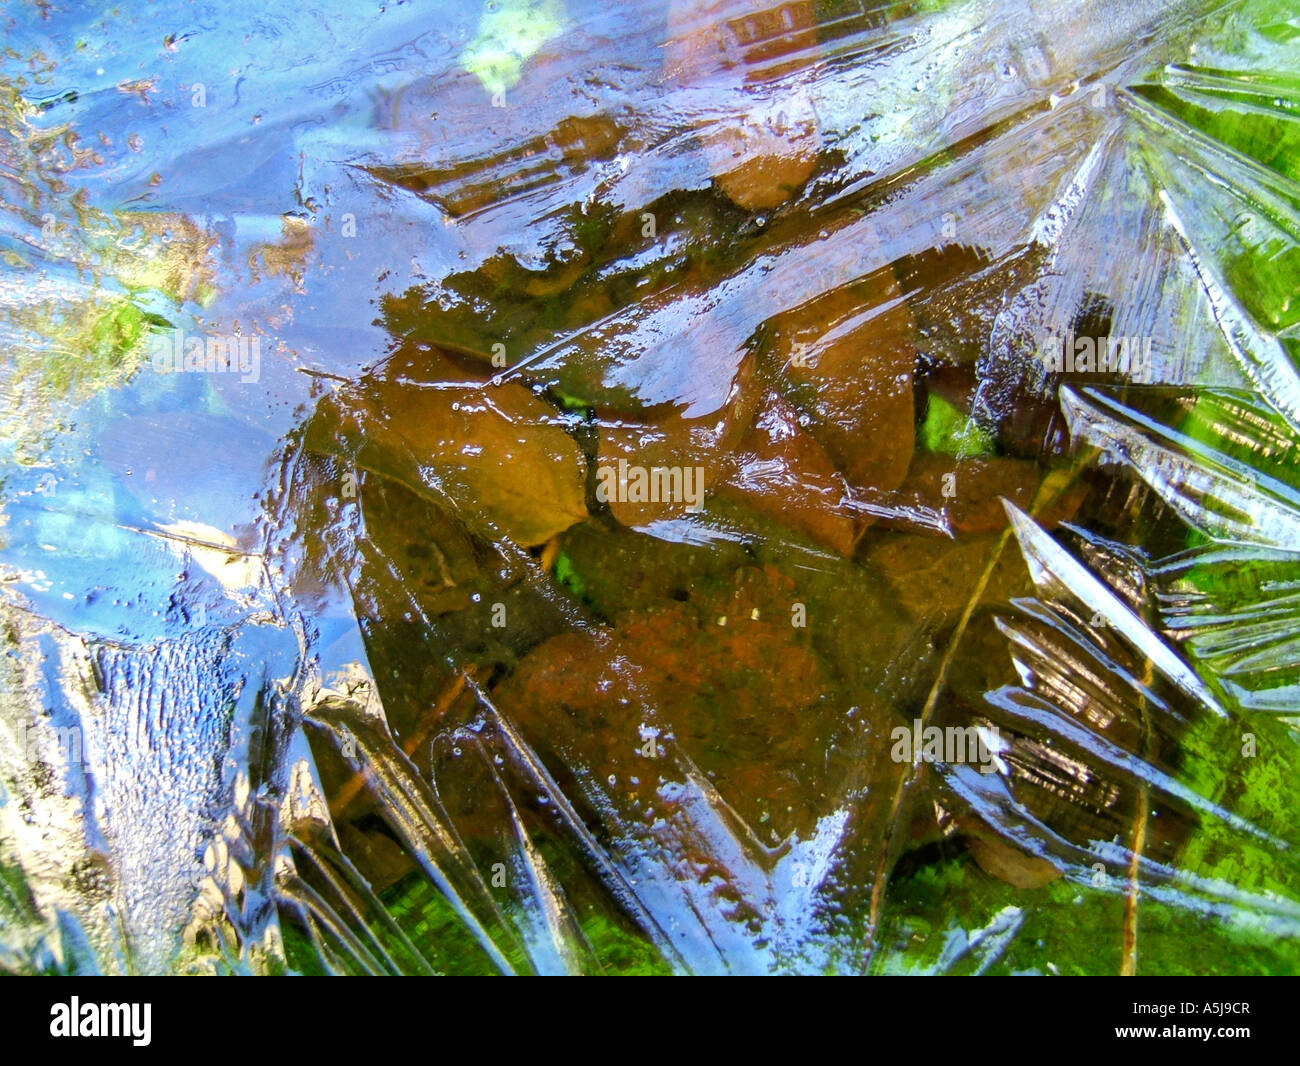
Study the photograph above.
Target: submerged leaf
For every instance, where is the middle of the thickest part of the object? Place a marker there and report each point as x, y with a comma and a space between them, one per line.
497, 448
761, 142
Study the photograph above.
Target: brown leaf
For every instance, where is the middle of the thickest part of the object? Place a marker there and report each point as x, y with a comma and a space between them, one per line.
780, 471
731, 682
498, 453
661, 439
762, 155
933, 577
857, 384
760, 160
500, 450
650, 473
970, 491
1010, 864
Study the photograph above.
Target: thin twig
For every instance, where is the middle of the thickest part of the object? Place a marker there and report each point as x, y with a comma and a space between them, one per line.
358, 781
1044, 498
1128, 962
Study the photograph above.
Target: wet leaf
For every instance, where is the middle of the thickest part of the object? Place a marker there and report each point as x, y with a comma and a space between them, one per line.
760, 145
968, 492
497, 447
780, 471
651, 473
845, 360
726, 678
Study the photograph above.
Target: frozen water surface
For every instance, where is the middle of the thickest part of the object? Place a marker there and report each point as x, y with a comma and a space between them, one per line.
553, 486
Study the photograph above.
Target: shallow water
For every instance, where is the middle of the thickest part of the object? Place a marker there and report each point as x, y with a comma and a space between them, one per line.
634, 438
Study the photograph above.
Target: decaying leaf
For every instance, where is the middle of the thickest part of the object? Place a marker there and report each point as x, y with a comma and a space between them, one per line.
497, 452
729, 681
969, 491
845, 360
649, 473
765, 144
782, 472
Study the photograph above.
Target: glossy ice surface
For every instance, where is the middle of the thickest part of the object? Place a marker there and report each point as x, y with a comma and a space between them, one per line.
556, 486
